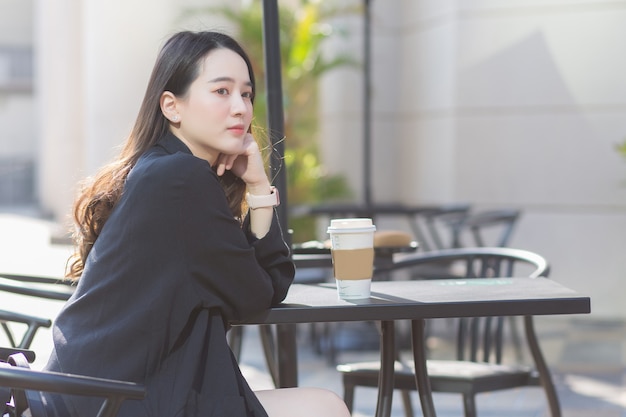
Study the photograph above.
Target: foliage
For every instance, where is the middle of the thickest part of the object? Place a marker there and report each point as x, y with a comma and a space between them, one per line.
621, 148
302, 33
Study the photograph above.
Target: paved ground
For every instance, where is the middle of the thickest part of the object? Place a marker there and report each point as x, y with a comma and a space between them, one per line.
587, 354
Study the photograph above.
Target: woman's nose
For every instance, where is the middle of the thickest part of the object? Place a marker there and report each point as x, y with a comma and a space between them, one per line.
238, 104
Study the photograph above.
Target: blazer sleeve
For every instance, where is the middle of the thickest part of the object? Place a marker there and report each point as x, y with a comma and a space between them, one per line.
247, 275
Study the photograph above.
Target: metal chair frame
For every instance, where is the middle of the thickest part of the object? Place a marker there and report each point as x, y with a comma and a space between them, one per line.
32, 286
479, 350
26, 386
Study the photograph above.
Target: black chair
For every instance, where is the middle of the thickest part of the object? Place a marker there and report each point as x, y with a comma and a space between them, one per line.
492, 228
5, 352
21, 388
33, 286
478, 366
32, 324
498, 224
51, 288
439, 227
433, 225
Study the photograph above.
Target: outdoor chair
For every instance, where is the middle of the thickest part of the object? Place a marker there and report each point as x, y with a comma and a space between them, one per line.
439, 227
495, 224
21, 388
433, 226
492, 228
470, 229
478, 366
32, 324
51, 288
34, 286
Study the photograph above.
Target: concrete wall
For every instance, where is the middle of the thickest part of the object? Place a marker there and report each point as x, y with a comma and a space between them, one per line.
504, 104
18, 116
541, 101
94, 60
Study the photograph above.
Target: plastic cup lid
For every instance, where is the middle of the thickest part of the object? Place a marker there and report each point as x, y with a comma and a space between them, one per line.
352, 225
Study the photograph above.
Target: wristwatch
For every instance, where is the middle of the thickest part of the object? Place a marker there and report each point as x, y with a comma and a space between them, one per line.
257, 201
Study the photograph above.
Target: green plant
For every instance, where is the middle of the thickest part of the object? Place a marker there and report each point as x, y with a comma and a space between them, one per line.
303, 30
621, 148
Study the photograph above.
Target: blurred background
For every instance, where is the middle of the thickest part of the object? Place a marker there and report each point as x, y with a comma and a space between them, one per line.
516, 103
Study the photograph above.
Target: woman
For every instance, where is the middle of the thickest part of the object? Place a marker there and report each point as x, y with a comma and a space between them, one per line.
167, 256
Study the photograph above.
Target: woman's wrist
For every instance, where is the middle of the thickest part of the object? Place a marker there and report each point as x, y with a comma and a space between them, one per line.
261, 188
256, 201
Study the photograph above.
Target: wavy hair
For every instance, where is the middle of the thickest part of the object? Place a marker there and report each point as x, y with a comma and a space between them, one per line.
177, 66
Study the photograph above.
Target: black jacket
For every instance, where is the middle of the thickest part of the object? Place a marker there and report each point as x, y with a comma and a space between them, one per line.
169, 270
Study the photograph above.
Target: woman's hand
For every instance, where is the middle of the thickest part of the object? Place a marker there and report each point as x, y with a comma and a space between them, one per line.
247, 165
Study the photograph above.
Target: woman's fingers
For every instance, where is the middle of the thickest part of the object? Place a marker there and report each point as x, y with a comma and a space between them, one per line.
247, 164
224, 163
221, 168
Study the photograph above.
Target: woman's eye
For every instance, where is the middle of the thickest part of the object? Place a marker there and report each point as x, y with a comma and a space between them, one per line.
247, 94
222, 91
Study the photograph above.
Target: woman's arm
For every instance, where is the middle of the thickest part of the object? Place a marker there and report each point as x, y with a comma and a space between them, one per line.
261, 217
248, 166
247, 272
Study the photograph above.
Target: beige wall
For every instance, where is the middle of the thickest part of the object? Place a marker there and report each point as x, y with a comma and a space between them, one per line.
505, 104
15, 22
94, 60
59, 93
17, 110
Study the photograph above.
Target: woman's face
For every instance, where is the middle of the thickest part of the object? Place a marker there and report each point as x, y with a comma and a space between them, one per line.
215, 114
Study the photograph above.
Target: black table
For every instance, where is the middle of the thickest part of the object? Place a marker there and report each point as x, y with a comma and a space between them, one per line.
417, 301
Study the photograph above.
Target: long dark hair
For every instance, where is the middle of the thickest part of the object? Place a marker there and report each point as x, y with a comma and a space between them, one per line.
176, 67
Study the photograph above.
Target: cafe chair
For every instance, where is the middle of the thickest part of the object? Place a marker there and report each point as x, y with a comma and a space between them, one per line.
433, 226
492, 228
478, 366
439, 227
5, 352
21, 388
51, 288
495, 224
32, 324
34, 286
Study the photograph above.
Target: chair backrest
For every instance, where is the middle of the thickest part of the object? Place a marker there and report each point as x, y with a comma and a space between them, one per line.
439, 227
25, 386
33, 286
32, 323
497, 225
478, 338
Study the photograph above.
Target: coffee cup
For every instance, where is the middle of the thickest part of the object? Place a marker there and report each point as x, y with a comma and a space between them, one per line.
352, 249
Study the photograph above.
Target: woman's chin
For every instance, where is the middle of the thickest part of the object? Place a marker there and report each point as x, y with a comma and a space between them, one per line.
233, 149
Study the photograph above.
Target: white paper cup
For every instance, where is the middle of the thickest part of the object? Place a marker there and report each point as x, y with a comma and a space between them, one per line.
352, 248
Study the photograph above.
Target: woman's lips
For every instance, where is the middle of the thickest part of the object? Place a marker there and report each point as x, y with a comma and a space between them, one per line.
238, 130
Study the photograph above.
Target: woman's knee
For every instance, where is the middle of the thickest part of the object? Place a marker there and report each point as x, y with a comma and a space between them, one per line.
307, 402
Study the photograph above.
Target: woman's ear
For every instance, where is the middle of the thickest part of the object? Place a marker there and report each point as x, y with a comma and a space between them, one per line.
168, 107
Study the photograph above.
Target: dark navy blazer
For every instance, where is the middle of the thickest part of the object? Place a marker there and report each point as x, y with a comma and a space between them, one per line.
169, 270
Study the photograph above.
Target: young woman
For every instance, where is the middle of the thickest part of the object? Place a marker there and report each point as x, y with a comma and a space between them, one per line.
168, 253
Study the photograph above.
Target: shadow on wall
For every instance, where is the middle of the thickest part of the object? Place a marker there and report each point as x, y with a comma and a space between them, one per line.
515, 111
